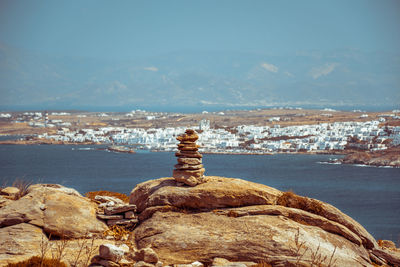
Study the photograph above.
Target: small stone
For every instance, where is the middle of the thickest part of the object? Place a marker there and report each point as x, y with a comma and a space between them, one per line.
197, 264
110, 204
42, 207
193, 161
188, 167
109, 217
159, 264
126, 222
149, 255
124, 247
220, 262
10, 191
105, 199
119, 209
143, 264
129, 215
125, 263
146, 254
111, 252
188, 154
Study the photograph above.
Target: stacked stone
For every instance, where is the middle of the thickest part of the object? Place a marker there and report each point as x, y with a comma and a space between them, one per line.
189, 169
115, 212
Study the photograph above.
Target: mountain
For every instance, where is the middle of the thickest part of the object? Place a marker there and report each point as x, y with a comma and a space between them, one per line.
200, 79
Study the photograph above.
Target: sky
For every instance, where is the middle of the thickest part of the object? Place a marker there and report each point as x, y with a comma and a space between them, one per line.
81, 53
132, 29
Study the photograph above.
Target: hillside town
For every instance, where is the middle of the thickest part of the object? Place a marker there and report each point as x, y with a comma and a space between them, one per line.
370, 135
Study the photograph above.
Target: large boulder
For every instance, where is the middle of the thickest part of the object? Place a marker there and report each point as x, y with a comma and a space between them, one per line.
183, 238
60, 211
20, 242
244, 221
218, 192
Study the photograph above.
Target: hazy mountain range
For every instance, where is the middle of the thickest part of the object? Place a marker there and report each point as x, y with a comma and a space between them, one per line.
200, 79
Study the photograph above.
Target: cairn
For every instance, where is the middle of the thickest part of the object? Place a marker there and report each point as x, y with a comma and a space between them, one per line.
189, 169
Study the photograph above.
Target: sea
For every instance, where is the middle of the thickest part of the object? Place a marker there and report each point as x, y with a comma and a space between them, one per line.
370, 195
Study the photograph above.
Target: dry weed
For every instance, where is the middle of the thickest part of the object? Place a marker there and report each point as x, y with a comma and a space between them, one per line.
37, 261
117, 232
23, 186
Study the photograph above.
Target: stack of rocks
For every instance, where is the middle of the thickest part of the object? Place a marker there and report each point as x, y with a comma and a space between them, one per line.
115, 212
189, 169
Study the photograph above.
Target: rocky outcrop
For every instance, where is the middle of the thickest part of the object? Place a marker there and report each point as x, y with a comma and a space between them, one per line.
58, 210
389, 158
189, 169
10, 192
242, 221
20, 242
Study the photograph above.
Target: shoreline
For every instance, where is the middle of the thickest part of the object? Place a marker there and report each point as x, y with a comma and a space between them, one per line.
383, 158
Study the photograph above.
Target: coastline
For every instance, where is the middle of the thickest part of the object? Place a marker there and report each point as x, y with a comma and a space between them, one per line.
384, 158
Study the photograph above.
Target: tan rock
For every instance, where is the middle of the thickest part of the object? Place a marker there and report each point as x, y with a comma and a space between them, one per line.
126, 222
147, 255
183, 238
24, 210
58, 210
192, 161
99, 261
109, 217
188, 154
129, 215
20, 242
332, 213
243, 201
71, 216
188, 167
143, 264
10, 191
111, 252
4, 201
189, 177
218, 192
119, 209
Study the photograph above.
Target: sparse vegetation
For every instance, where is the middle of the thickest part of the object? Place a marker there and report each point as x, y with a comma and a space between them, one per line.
316, 257
38, 261
93, 194
118, 232
23, 186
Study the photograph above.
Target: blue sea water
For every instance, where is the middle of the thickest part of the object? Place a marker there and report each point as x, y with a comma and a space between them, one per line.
368, 194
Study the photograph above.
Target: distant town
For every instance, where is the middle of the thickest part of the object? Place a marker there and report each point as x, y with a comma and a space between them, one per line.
284, 130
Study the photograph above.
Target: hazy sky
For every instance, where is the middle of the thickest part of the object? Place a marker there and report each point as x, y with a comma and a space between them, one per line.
128, 29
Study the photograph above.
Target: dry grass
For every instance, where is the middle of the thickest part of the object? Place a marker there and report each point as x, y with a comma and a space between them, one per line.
93, 194
23, 186
291, 200
118, 232
38, 261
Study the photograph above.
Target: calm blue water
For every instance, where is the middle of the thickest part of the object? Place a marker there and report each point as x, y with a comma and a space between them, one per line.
369, 195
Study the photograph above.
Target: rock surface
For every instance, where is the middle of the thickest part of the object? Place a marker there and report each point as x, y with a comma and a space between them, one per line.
58, 210
20, 242
10, 191
389, 157
241, 221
